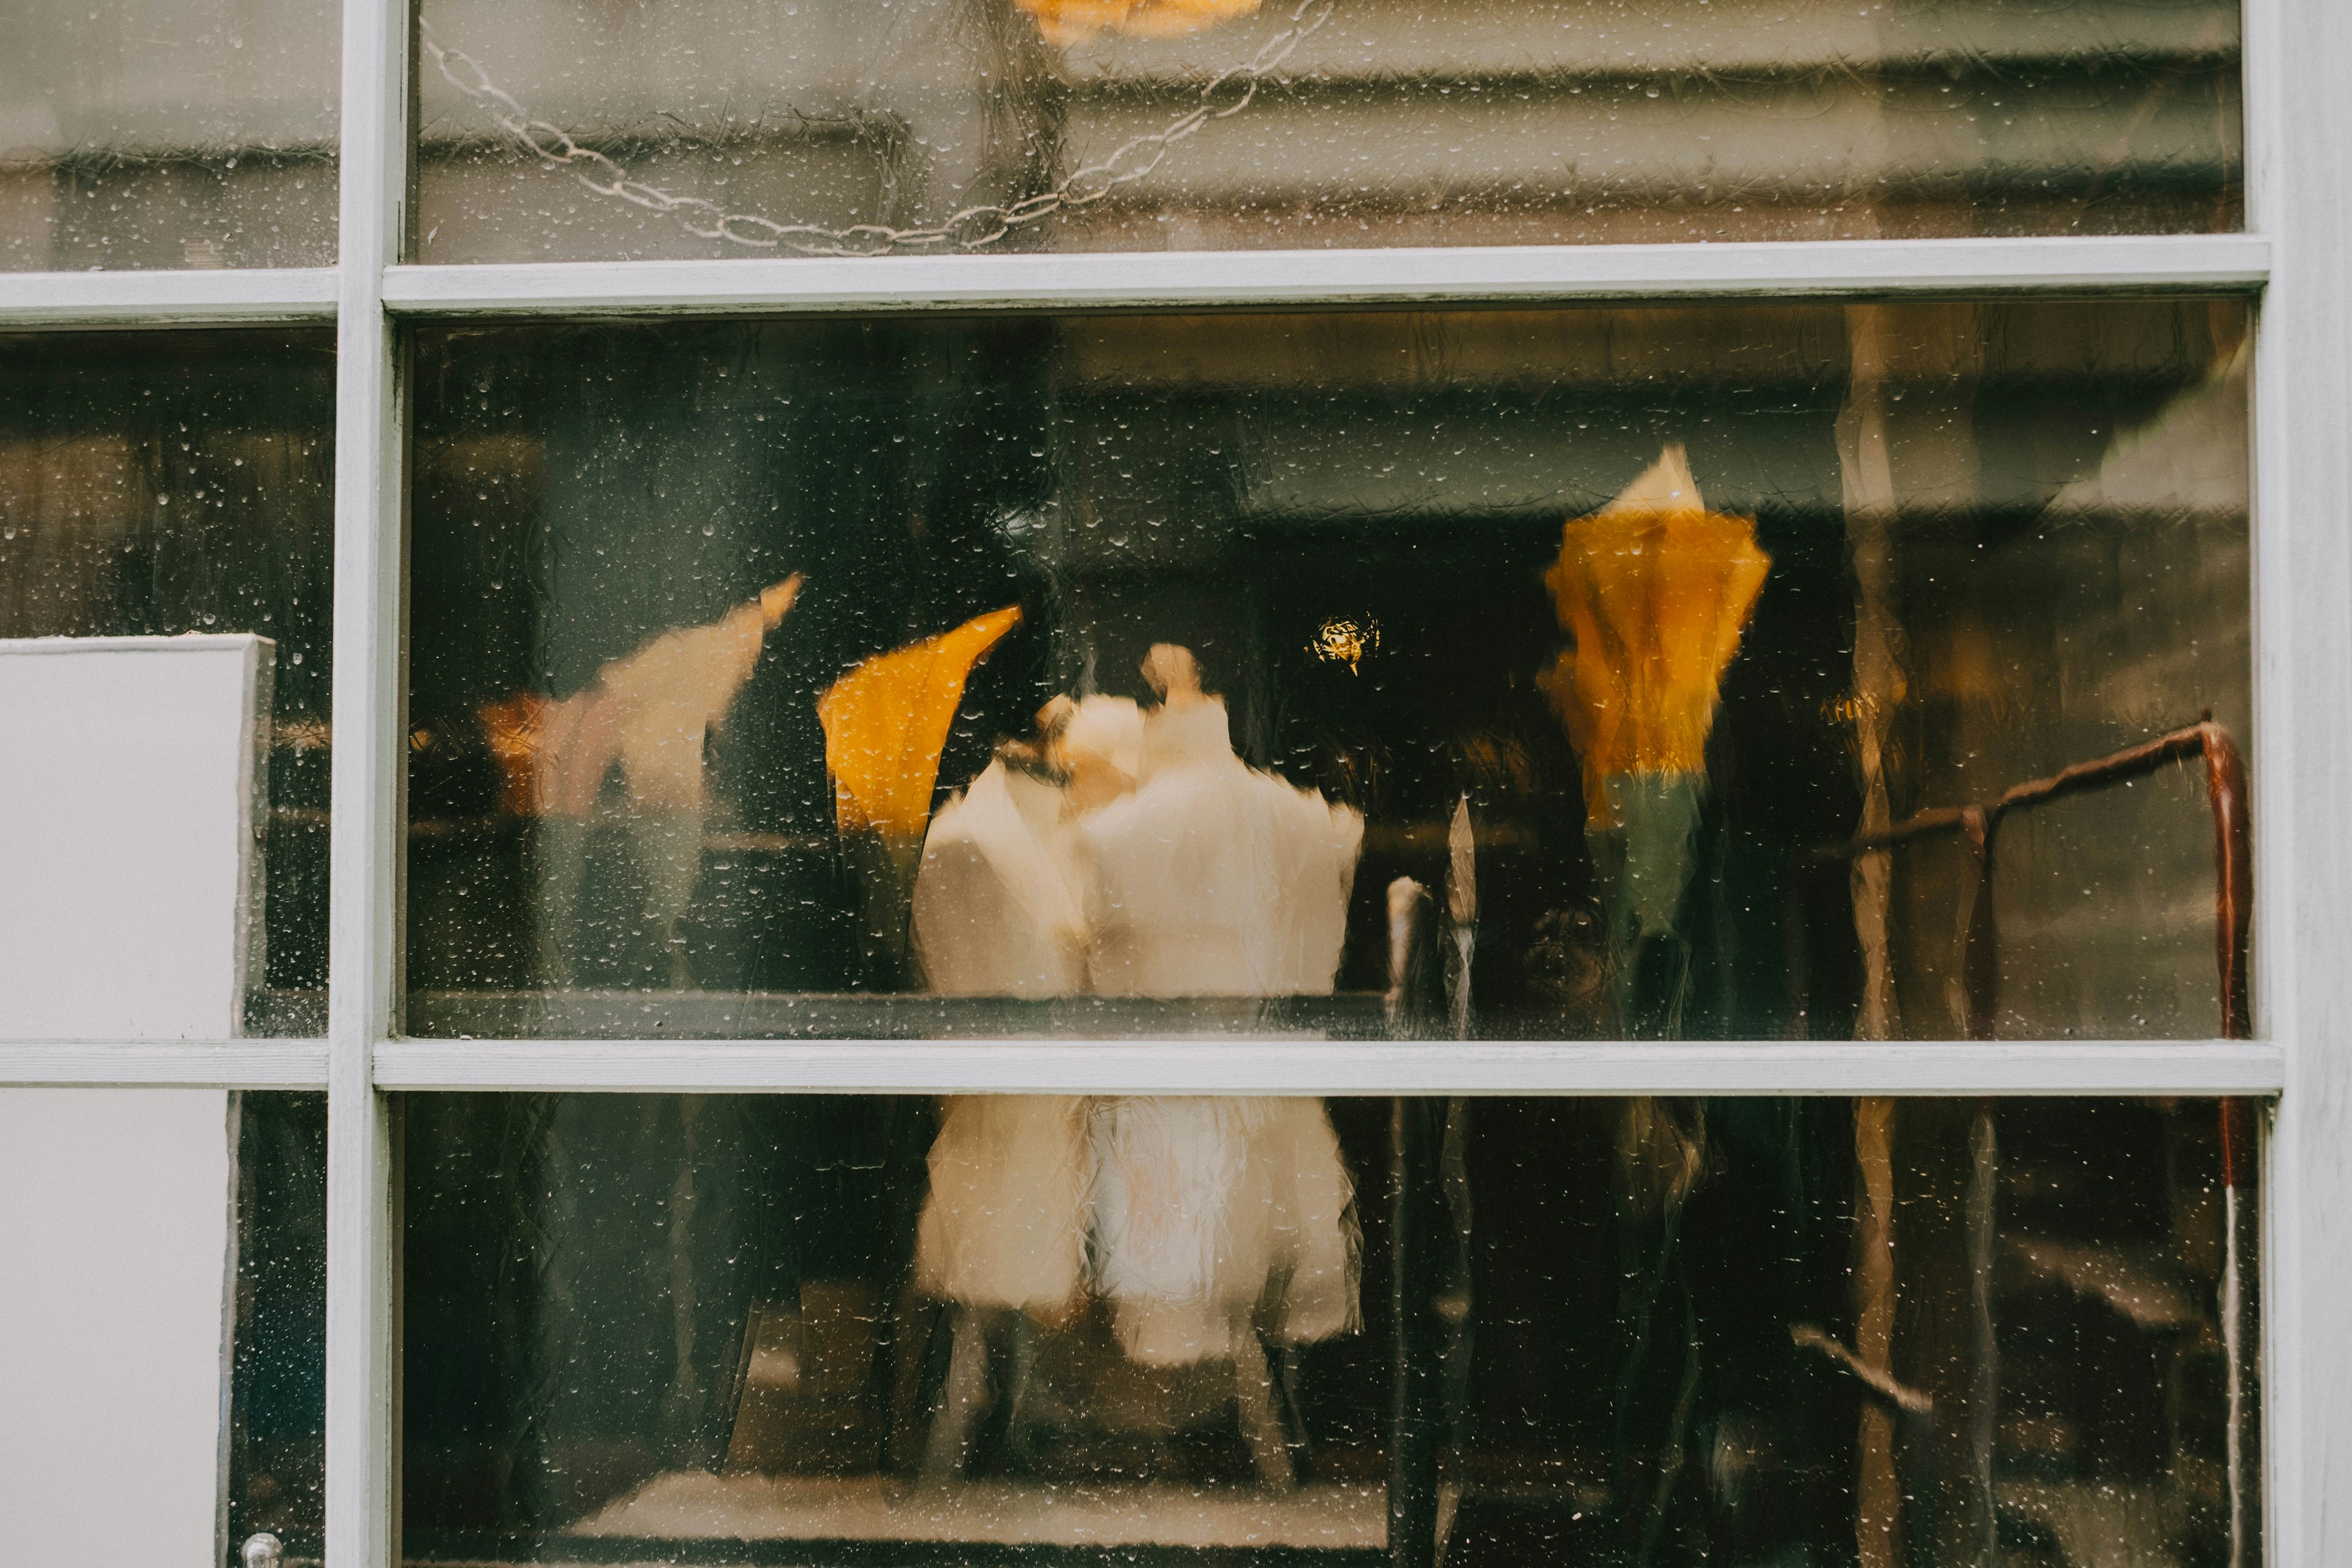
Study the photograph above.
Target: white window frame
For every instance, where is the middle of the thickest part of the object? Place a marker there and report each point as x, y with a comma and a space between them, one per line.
2292, 259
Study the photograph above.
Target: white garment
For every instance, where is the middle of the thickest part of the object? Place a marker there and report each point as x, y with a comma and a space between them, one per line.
1199, 1218
1213, 1219
996, 914
1004, 1222
1213, 880
997, 908
1210, 1216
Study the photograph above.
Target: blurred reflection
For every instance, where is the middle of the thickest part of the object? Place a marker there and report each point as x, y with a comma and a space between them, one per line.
646, 716
158, 133
560, 130
684, 1325
1609, 625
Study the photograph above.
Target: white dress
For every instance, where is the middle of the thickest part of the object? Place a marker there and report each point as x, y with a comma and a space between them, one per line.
996, 914
1200, 1220
1211, 1218
1213, 880
997, 908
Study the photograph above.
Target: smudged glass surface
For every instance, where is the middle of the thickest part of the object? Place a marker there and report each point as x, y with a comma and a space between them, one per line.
1516, 674
565, 129
152, 485
155, 134
1587, 1331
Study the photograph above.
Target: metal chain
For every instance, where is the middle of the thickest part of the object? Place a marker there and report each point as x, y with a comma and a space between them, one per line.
1223, 96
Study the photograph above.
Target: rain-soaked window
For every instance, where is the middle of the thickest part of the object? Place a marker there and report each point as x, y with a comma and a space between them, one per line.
585, 130
776, 1328
159, 485
1758, 672
168, 133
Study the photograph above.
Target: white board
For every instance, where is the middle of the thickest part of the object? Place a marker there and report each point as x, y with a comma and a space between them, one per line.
133, 778
114, 1210
131, 772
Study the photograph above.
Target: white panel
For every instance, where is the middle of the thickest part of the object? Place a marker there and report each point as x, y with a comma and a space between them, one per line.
113, 1247
127, 849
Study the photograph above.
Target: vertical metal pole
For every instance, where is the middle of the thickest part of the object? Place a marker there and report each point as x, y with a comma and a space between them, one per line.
360, 1508
1984, 1384
1412, 1448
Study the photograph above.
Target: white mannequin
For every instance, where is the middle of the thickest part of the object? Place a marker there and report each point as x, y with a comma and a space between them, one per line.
1214, 1224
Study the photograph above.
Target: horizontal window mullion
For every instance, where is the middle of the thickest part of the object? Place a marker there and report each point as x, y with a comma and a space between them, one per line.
1167, 280
1335, 1068
164, 1064
193, 298
1500, 274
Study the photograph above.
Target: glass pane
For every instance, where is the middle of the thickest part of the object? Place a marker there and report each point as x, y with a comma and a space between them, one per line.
160, 484
723, 127
1164, 1330
277, 1396
1518, 675
163, 133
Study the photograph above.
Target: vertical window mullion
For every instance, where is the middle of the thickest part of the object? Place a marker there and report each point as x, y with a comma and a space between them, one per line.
2295, 52
360, 1508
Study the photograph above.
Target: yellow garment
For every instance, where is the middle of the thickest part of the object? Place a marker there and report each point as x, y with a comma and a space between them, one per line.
886, 724
1068, 22
1656, 589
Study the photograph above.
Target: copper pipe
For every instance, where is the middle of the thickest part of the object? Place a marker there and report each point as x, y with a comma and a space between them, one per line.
2225, 792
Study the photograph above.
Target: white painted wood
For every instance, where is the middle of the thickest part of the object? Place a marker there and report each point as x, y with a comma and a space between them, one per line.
254, 295
130, 863
361, 1464
1177, 280
1333, 1068
2298, 54
211, 1064
114, 1231
2274, 789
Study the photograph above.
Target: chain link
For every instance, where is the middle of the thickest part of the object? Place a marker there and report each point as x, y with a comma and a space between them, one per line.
1223, 96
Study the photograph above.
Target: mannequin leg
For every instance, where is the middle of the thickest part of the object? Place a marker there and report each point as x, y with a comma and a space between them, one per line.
961, 1402
668, 849
559, 855
1021, 1358
1262, 1428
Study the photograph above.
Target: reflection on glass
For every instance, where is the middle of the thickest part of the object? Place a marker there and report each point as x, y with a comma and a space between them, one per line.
1624, 1330
156, 485
1527, 675
151, 133
722, 128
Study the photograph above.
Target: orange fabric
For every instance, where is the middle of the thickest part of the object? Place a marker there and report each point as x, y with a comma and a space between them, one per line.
512, 730
1656, 590
886, 724
1068, 22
